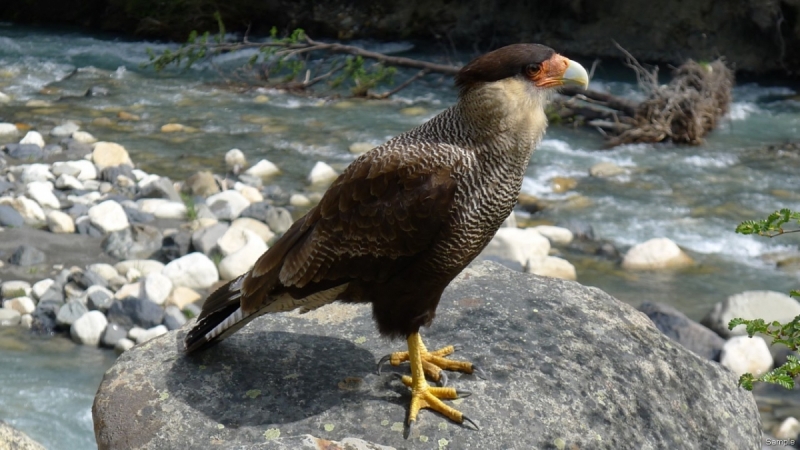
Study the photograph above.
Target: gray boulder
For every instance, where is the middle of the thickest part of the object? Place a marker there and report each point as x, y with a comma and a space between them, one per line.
9, 217
566, 366
135, 242
13, 439
27, 255
684, 330
132, 311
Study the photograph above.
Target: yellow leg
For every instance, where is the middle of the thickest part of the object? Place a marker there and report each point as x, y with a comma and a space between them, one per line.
422, 394
432, 362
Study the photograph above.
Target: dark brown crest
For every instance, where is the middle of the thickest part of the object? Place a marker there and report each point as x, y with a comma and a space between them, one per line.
502, 63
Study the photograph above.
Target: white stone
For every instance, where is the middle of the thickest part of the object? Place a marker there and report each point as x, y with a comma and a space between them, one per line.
85, 199
742, 354
143, 266
360, 147
36, 172
156, 287
551, 266
235, 160
768, 305
147, 179
242, 260
84, 137
257, 227
162, 208
517, 244
14, 288
88, 329
8, 128
80, 169
33, 137
139, 174
788, 429
59, 222
657, 253
135, 332
23, 305
29, 210
133, 275
235, 201
606, 170
108, 216
65, 181
131, 289
263, 169
123, 345
322, 174
299, 200
65, 129
40, 287
26, 320
9, 317
4, 98
107, 271
42, 193
194, 270
556, 235
110, 154
249, 192
151, 333
182, 297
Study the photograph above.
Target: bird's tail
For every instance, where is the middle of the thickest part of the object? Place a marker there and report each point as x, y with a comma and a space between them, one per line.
222, 316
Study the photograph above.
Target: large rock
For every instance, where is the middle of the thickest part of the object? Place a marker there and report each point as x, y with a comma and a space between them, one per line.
9, 217
194, 271
658, 253
108, 216
227, 205
205, 239
244, 258
525, 246
110, 154
132, 311
683, 330
42, 193
742, 354
566, 367
88, 329
263, 169
135, 242
59, 222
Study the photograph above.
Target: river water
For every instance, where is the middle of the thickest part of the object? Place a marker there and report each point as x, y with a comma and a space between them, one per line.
693, 195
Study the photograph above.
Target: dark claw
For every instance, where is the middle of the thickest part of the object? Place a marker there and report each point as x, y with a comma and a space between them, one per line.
479, 372
463, 394
409, 429
458, 348
467, 419
443, 378
383, 361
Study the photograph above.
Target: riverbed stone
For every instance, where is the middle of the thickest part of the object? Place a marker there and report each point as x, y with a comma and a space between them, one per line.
69, 313
768, 305
257, 227
13, 439
136, 242
263, 169
25, 152
40, 287
8, 128
84, 137
27, 255
606, 169
151, 333
14, 288
299, 201
112, 334
163, 208
692, 335
9, 317
202, 184
85, 169
240, 261
156, 287
87, 278
655, 254
132, 311
552, 266
144, 266
161, 187
9, 217
42, 193
743, 354
83, 225
205, 239
279, 219
33, 137
110, 154
227, 205
173, 318
36, 172
182, 296
88, 329
108, 216
59, 222
235, 160
625, 381
44, 318
65, 129
99, 298
556, 235
194, 271
518, 244
249, 192
175, 245
31, 212
24, 305
123, 345
322, 174
68, 182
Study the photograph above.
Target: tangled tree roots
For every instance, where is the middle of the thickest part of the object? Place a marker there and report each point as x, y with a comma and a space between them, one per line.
684, 110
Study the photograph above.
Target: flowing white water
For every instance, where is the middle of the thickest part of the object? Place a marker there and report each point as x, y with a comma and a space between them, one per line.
692, 195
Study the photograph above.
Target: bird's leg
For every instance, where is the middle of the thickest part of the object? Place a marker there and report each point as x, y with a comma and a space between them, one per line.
422, 394
432, 362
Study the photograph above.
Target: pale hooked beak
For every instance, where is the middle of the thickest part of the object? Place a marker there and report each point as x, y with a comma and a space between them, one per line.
575, 75
559, 71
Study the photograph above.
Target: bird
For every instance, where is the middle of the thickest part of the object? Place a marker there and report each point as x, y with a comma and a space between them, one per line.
404, 219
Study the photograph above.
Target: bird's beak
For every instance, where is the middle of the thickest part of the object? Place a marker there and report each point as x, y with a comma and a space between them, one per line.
560, 71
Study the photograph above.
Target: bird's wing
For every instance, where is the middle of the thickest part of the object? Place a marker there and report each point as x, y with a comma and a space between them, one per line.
385, 209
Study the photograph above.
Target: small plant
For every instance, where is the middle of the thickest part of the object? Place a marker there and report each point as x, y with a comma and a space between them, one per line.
786, 334
16, 293
191, 208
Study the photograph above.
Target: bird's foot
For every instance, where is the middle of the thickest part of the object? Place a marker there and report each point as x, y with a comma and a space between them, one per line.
424, 395
432, 362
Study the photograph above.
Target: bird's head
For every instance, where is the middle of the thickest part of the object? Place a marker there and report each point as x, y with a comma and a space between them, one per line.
536, 65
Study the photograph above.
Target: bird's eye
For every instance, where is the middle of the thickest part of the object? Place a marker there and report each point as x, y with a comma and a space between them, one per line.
531, 69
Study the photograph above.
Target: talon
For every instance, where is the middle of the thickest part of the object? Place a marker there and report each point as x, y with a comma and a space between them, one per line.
467, 419
443, 379
409, 428
464, 394
479, 372
383, 361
